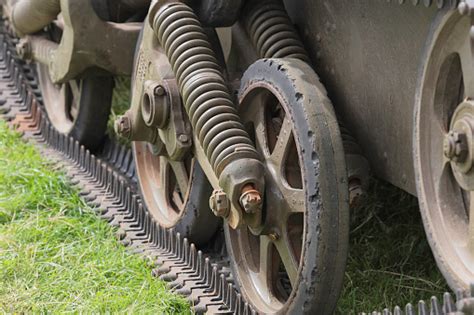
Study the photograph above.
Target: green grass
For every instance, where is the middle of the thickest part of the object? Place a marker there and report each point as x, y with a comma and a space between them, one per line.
56, 255
389, 260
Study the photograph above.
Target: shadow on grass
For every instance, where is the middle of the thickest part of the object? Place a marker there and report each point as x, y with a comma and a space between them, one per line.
389, 260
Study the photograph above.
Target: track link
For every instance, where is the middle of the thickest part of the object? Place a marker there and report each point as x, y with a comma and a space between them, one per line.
107, 181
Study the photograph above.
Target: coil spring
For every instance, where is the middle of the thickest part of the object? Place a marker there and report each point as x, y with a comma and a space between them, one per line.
274, 36
271, 31
202, 85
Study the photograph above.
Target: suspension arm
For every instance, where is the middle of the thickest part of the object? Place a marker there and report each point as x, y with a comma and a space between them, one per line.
86, 42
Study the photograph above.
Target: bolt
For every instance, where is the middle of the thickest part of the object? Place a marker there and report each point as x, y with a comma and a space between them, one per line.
250, 199
123, 126
23, 49
160, 90
455, 146
355, 192
219, 204
274, 236
183, 138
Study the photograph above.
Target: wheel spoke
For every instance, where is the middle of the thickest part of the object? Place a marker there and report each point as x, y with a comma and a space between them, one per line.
181, 175
265, 262
256, 111
164, 174
72, 103
466, 54
294, 199
284, 248
284, 141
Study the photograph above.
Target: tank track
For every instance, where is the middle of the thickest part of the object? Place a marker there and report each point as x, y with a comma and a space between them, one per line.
462, 305
107, 181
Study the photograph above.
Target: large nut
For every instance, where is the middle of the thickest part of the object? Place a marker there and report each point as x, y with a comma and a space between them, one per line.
23, 49
219, 204
251, 200
123, 126
455, 146
155, 105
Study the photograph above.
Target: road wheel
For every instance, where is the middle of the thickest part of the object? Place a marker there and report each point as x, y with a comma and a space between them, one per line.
176, 193
79, 108
294, 262
443, 146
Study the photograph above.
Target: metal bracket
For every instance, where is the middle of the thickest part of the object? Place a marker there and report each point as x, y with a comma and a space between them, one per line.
86, 42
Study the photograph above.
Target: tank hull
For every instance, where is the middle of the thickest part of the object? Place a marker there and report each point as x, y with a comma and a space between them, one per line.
368, 55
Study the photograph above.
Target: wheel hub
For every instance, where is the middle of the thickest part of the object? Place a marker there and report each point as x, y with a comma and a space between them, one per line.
458, 145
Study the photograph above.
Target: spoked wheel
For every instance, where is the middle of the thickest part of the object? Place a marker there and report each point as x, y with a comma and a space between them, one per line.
176, 193
443, 145
294, 262
79, 108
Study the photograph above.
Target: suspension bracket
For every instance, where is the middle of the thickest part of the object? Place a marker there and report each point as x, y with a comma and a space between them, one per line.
87, 41
175, 48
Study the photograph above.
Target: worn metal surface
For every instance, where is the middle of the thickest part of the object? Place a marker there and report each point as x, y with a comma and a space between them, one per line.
368, 54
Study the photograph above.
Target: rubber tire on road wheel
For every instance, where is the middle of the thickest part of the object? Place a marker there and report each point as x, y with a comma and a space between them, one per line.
96, 100
326, 215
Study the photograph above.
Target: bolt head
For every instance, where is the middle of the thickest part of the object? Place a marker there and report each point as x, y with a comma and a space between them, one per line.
251, 201
219, 204
455, 146
23, 49
183, 138
448, 145
160, 90
123, 126
274, 236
